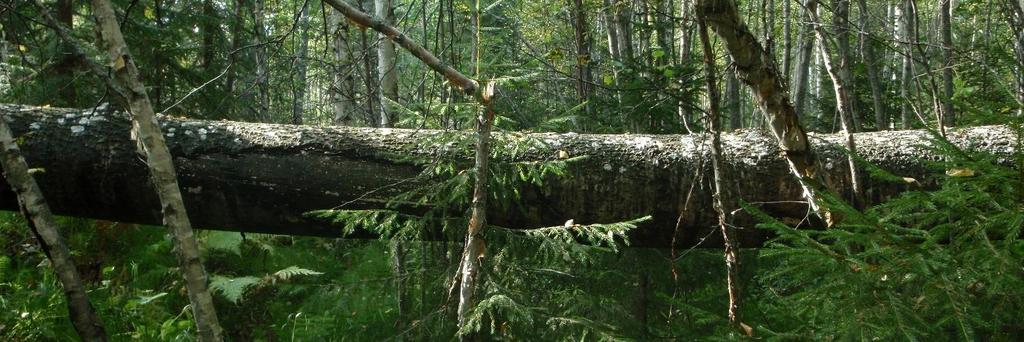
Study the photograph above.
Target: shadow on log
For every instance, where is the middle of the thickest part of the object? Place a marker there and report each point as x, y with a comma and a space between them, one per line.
262, 177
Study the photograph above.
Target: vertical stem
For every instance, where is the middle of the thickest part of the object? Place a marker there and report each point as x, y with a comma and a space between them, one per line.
385, 10
945, 18
474, 250
867, 47
44, 226
803, 66
844, 106
721, 193
299, 90
161, 168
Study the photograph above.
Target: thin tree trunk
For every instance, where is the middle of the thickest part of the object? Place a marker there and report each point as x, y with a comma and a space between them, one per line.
612, 28
386, 66
1014, 15
732, 100
237, 27
787, 39
867, 47
262, 63
623, 21
584, 77
301, 60
721, 193
370, 81
401, 296
685, 48
458, 80
843, 105
44, 227
753, 67
474, 249
342, 89
209, 28
945, 18
803, 66
906, 76
65, 68
841, 22
161, 168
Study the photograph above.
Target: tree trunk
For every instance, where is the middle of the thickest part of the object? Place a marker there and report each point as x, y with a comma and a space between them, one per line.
803, 67
945, 30
721, 192
457, 79
841, 22
1015, 16
685, 47
401, 295
1013, 13
868, 50
474, 249
386, 66
262, 63
238, 39
612, 28
732, 100
210, 27
906, 76
161, 167
301, 60
623, 22
787, 38
65, 68
263, 178
44, 227
581, 29
843, 105
342, 88
754, 67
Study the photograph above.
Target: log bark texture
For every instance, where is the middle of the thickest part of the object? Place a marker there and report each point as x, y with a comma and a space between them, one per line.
261, 177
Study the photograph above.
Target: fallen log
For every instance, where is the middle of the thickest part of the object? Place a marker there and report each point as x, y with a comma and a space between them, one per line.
263, 177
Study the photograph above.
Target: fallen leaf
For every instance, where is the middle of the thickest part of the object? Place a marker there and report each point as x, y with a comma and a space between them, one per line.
962, 172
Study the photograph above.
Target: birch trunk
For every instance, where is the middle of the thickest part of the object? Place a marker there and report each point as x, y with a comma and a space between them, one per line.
161, 167
44, 227
342, 87
753, 67
386, 66
843, 105
474, 250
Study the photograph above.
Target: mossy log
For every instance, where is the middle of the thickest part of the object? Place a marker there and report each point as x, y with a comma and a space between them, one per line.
263, 177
